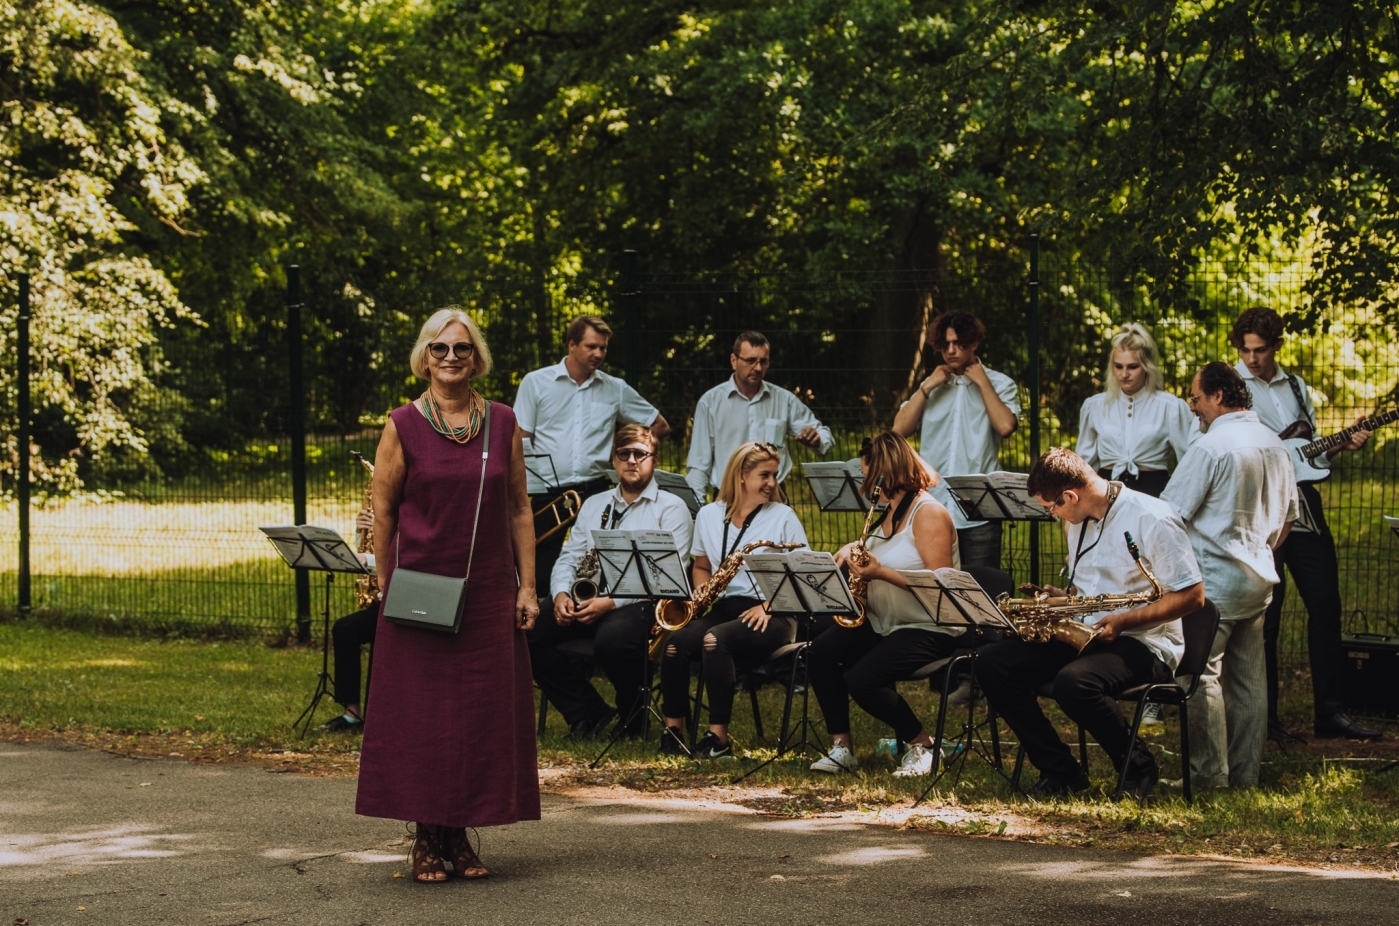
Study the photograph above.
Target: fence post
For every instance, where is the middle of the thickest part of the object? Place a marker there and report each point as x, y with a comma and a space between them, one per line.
630, 300
25, 602
298, 443
1034, 377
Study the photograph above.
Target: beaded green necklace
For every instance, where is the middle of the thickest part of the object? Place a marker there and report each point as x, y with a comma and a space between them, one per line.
476, 413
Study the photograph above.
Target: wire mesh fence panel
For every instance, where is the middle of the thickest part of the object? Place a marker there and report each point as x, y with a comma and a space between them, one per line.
180, 548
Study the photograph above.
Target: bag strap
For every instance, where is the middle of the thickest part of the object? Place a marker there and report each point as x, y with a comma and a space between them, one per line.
481, 491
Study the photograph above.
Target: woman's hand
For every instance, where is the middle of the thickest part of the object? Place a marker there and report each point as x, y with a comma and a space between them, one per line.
869, 571
843, 554
526, 608
756, 617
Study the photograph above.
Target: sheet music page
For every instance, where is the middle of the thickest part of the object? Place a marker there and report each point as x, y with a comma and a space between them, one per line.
770, 573
675, 484
924, 585
338, 554
1013, 494
821, 583
665, 568
540, 476
831, 484
973, 599
289, 546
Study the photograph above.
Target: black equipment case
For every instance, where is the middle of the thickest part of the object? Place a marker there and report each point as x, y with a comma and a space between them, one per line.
1370, 675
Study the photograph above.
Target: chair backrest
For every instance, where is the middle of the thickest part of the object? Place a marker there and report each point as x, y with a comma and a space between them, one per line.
994, 581
1199, 627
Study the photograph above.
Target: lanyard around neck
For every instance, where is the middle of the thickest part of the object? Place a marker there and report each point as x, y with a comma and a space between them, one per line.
747, 523
1113, 489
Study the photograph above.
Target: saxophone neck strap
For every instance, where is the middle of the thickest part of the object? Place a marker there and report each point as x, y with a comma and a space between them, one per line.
724, 547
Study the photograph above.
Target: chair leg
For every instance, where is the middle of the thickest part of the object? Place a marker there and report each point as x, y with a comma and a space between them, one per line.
995, 735
699, 706
543, 713
1185, 752
1019, 764
757, 711
1131, 742
798, 662
942, 716
1083, 749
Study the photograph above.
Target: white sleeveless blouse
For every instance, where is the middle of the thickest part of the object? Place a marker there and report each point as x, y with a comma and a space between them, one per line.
888, 607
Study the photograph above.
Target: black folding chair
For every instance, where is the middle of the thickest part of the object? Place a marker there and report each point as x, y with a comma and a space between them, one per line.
581, 650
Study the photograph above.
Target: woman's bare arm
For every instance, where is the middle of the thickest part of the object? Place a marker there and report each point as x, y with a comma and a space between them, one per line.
522, 535
390, 470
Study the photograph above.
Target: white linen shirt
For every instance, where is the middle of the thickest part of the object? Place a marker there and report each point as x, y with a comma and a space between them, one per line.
1134, 433
774, 521
1108, 569
1235, 492
956, 437
574, 424
654, 509
726, 418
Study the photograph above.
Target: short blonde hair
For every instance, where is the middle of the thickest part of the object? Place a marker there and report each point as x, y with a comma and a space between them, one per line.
432, 328
1135, 338
631, 433
744, 460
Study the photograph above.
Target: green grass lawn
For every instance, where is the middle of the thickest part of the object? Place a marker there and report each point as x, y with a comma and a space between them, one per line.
209, 699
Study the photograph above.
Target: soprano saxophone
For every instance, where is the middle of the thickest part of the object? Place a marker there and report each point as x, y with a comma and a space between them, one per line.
672, 613
366, 586
1042, 618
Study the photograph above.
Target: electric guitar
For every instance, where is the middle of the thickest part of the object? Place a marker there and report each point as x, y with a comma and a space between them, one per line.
1302, 449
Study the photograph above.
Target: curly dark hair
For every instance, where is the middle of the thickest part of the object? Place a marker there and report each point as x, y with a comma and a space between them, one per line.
970, 330
1218, 376
1259, 320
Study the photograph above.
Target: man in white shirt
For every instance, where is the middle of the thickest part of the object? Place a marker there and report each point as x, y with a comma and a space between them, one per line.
569, 412
1235, 491
962, 412
1281, 400
620, 630
1133, 647
748, 408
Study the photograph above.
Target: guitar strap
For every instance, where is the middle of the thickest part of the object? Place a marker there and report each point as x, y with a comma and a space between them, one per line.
1296, 385
1308, 499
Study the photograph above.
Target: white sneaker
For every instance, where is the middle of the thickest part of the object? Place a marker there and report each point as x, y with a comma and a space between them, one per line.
918, 761
1151, 717
839, 759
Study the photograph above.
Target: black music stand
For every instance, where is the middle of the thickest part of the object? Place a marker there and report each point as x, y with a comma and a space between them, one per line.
642, 564
540, 476
674, 483
316, 549
806, 584
996, 497
953, 598
836, 485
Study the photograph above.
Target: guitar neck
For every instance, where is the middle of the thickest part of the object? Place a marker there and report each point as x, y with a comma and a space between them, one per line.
1318, 447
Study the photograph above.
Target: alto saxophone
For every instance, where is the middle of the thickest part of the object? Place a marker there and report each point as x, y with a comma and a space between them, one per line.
860, 556
672, 614
366, 586
1043, 618
585, 577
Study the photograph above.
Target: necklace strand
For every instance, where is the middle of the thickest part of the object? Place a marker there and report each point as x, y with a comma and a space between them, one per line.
462, 435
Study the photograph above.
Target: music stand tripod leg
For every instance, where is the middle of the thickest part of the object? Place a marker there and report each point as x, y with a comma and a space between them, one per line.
643, 706
324, 680
806, 726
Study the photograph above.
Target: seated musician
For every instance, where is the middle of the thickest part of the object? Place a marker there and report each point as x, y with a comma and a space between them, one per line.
349, 633
737, 628
620, 630
897, 637
1136, 646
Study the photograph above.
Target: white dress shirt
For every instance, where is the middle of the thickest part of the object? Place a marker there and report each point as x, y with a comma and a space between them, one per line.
774, 521
1107, 567
956, 437
1275, 404
1134, 433
725, 418
1235, 491
654, 509
574, 424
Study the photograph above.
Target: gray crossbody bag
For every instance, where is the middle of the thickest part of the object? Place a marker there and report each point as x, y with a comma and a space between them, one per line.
428, 601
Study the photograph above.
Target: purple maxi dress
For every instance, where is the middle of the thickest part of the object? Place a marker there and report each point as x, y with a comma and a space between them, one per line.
449, 730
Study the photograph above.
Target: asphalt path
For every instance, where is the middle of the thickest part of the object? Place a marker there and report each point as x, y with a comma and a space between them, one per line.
87, 837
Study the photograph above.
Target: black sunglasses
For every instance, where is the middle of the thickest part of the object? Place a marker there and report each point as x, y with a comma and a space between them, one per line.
632, 455
462, 349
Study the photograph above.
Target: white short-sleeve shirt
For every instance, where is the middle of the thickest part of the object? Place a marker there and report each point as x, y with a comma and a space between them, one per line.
726, 418
1106, 566
956, 437
774, 521
575, 423
654, 509
1235, 491
1134, 433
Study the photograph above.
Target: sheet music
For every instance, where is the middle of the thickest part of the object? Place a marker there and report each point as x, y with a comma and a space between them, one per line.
800, 582
953, 598
836, 485
540, 475
641, 564
308, 547
998, 496
1393, 523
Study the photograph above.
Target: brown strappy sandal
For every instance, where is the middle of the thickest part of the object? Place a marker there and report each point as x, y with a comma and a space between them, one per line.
426, 854
465, 862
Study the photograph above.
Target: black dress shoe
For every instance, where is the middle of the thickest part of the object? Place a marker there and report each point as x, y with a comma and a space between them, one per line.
1048, 786
1138, 789
590, 727
1339, 726
1283, 736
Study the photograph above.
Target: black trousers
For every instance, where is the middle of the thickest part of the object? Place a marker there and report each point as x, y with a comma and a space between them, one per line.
1148, 481
735, 643
860, 664
619, 645
1084, 686
981, 545
547, 553
348, 634
1311, 559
